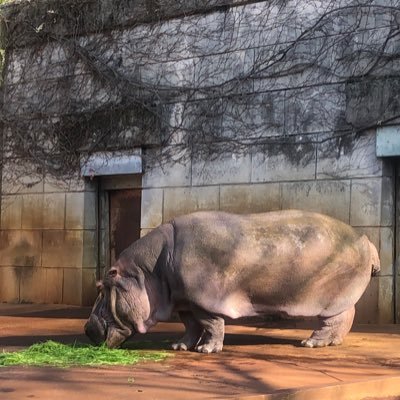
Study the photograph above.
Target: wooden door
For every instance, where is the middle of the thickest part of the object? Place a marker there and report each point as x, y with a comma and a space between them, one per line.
124, 220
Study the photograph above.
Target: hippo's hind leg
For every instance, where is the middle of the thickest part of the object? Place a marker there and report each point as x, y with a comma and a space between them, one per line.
214, 330
194, 332
331, 330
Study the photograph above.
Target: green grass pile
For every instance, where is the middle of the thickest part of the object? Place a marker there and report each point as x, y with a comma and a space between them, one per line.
63, 355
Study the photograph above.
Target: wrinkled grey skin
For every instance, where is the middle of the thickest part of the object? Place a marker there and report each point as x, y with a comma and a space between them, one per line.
209, 265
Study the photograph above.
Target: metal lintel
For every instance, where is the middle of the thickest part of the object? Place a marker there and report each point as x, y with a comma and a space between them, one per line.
112, 163
388, 141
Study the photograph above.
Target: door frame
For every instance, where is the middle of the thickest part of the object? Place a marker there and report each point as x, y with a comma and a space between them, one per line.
105, 185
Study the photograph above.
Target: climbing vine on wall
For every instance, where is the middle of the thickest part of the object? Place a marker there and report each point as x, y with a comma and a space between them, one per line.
193, 79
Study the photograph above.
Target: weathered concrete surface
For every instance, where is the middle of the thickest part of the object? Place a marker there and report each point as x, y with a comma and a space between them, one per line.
259, 361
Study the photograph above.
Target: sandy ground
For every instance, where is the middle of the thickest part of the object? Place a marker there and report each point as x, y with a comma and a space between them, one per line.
259, 359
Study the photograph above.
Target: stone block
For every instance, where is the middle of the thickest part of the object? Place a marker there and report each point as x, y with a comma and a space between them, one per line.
11, 212
315, 109
9, 284
80, 211
53, 210
181, 201
43, 211
388, 206
33, 285
218, 69
385, 300
74, 210
386, 251
284, 162
152, 208
74, 184
89, 249
175, 172
373, 234
371, 101
89, 291
349, 156
50, 62
223, 168
20, 177
54, 285
202, 120
367, 205
327, 197
253, 117
174, 74
63, 249
32, 211
367, 308
21, 248
72, 289
251, 198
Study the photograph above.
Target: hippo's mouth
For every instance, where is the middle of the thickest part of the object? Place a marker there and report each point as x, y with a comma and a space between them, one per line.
116, 336
99, 331
111, 329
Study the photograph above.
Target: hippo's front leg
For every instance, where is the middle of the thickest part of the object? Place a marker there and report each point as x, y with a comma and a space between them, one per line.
214, 331
194, 332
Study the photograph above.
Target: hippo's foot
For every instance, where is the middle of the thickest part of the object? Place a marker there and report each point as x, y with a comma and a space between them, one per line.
181, 345
210, 346
213, 326
187, 342
331, 330
320, 343
193, 334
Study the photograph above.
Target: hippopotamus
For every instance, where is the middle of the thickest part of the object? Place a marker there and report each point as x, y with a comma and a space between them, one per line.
207, 266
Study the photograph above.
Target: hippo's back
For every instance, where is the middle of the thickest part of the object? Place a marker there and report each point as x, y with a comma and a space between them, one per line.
223, 239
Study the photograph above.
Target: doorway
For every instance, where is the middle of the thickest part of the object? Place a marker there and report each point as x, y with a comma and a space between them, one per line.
120, 198
124, 212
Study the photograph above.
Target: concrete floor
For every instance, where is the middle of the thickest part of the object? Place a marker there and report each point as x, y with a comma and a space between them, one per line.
259, 361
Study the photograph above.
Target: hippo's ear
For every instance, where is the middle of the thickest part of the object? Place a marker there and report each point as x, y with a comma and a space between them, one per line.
99, 286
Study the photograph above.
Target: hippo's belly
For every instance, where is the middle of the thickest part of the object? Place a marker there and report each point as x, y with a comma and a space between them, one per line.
237, 305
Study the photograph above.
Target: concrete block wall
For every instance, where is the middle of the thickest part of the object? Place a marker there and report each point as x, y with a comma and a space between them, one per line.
48, 243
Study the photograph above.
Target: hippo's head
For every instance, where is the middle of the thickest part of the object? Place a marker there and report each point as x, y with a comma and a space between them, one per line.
121, 309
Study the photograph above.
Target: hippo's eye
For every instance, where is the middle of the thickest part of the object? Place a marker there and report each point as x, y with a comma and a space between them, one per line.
112, 273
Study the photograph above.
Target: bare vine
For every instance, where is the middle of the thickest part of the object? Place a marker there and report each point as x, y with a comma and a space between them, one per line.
250, 75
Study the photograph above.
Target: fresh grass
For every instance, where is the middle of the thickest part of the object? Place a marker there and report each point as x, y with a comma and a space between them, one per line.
63, 355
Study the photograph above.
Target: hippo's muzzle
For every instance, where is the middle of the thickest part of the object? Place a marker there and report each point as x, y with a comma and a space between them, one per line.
96, 329
106, 326
99, 332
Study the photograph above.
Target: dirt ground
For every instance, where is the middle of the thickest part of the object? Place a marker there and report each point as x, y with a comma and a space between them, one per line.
259, 361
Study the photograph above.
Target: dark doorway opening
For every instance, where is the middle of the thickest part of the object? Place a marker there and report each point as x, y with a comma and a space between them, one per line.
125, 213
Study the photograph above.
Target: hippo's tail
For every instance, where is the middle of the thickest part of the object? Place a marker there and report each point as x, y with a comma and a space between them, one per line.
374, 257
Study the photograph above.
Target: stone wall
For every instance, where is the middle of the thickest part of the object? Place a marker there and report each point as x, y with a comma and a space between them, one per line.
256, 110
48, 244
